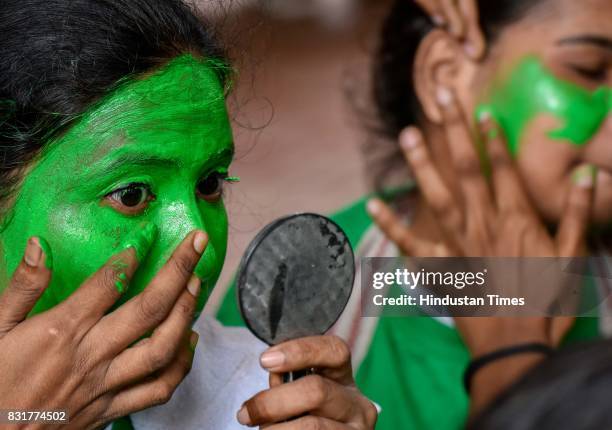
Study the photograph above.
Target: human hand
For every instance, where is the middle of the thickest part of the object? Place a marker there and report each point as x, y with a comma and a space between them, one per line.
489, 218
77, 358
461, 19
484, 218
328, 399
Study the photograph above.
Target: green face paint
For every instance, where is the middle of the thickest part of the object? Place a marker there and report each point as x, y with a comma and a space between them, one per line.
165, 133
531, 90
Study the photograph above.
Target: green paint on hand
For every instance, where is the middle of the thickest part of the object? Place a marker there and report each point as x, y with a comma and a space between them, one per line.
532, 90
122, 282
141, 239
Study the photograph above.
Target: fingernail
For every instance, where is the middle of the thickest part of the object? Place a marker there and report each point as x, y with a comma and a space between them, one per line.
243, 416
47, 256
470, 50
141, 239
373, 207
199, 242
33, 252
194, 286
438, 20
484, 116
584, 176
444, 96
272, 359
193, 341
409, 140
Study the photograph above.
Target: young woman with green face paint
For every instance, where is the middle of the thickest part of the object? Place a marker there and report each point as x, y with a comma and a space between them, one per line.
154, 152
518, 179
115, 144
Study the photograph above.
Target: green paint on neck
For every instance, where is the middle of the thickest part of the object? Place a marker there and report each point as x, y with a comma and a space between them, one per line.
164, 132
531, 90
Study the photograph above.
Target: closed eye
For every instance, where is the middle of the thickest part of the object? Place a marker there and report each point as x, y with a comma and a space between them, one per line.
595, 74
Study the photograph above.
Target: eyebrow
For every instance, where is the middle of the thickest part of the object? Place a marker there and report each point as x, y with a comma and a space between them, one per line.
139, 160
123, 161
590, 39
142, 160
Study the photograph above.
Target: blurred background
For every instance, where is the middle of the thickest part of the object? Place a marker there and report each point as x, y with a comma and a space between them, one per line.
303, 68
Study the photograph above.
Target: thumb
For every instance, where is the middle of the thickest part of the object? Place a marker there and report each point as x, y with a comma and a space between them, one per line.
29, 281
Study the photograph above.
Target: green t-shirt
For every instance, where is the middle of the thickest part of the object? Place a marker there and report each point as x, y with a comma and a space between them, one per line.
413, 366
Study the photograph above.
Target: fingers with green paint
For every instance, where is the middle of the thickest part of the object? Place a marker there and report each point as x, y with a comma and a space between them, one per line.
101, 290
169, 300
163, 312
139, 241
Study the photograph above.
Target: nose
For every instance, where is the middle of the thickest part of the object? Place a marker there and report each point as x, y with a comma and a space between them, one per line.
180, 218
185, 215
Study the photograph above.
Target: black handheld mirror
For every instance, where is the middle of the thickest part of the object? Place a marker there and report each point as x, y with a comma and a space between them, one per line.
295, 279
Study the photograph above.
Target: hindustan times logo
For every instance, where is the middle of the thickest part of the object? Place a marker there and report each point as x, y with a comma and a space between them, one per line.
412, 280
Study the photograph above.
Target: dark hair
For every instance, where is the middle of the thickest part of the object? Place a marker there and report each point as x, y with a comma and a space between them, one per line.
59, 57
569, 391
394, 95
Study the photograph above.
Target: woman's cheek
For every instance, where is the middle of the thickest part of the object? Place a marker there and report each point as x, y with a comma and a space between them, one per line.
546, 165
82, 239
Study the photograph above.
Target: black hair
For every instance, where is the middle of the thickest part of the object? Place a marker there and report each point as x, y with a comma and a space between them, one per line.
566, 392
60, 57
397, 105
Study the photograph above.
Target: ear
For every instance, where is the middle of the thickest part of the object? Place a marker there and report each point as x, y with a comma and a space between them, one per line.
441, 65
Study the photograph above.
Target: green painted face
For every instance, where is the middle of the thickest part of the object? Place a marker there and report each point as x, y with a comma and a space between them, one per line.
531, 90
155, 151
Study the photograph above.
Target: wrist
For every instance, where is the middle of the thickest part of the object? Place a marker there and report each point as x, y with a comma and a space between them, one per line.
492, 334
493, 344
490, 374
493, 380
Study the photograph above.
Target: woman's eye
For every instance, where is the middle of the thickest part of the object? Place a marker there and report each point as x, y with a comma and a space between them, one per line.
210, 187
595, 74
130, 200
